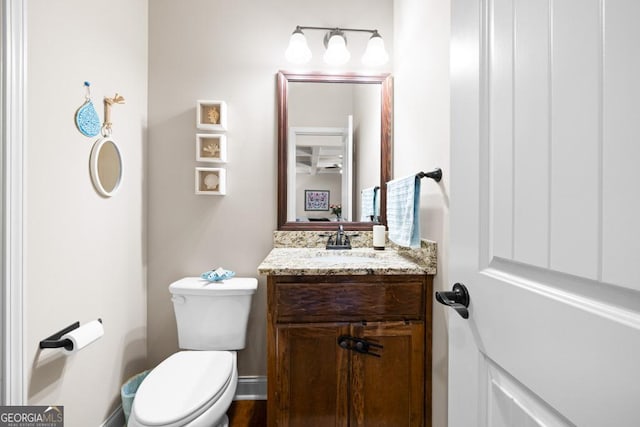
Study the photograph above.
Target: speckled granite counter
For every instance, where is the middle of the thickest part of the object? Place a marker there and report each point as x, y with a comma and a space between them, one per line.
314, 261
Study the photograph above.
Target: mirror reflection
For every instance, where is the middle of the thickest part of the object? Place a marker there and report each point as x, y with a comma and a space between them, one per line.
106, 166
334, 149
334, 146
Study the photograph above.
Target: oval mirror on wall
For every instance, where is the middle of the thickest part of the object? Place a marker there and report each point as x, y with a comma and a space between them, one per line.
105, 166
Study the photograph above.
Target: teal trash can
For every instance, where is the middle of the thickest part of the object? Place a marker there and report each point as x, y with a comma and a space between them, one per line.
128, 392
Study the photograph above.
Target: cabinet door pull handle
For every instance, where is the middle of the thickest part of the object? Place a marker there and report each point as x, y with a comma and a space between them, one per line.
358, 345
366, 347
343, 341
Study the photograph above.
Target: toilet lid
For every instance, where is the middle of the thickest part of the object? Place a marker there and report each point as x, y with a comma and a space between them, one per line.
185, 383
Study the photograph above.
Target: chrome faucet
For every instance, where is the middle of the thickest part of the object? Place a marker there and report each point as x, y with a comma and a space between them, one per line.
339, 240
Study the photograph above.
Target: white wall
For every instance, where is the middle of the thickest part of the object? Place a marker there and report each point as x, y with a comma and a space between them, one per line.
212, 49
421, 143
84, 254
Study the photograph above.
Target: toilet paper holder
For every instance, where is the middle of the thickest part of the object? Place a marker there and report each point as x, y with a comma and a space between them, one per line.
56, 341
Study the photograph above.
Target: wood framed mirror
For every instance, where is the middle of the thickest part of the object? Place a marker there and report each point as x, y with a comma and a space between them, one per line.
347, 161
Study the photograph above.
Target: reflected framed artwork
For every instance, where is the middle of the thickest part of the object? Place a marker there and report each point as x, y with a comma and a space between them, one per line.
316, 200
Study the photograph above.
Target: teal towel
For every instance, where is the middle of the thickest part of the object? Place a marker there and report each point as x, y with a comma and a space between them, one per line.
403, 211
217, 275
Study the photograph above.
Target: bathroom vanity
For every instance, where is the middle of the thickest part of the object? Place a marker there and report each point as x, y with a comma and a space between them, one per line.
349, 337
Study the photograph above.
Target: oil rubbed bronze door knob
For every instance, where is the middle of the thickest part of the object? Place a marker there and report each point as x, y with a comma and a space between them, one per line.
458, 299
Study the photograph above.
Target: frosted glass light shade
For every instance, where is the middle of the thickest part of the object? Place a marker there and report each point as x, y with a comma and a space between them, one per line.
375, 54
336, 53
298, 51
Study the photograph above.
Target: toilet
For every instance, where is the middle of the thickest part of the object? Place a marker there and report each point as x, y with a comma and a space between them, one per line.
195, 387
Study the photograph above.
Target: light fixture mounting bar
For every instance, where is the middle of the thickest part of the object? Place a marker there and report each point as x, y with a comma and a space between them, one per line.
361, 30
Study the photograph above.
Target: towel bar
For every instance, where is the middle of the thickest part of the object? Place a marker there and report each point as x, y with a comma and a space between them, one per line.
435, 174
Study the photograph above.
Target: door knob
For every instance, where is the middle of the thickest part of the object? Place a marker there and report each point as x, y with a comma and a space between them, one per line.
458, 299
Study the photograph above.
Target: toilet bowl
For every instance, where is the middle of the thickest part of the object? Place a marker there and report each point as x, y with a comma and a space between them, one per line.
194, 388
190, 388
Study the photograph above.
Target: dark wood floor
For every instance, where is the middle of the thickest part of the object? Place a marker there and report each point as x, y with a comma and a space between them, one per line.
248, 413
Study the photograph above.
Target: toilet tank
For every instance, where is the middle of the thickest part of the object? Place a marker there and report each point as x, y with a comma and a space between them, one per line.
212, 315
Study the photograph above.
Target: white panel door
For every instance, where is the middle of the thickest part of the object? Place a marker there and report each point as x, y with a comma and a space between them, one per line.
545, 213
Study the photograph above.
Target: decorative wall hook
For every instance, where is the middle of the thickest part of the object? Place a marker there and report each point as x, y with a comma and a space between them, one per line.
108, 102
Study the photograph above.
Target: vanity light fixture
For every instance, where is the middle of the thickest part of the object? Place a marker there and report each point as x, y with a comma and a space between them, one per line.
337, 52
335, 41
298, 51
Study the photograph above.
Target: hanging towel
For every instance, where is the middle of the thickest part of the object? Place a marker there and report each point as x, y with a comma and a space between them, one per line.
403, 211
368, 203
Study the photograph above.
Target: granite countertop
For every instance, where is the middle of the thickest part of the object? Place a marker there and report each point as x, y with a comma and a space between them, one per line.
313, 261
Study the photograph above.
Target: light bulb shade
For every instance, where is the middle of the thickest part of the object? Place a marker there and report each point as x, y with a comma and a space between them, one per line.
298, 51
336, 53
375, 54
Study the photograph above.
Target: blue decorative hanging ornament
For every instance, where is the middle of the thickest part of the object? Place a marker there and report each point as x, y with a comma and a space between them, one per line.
87, 120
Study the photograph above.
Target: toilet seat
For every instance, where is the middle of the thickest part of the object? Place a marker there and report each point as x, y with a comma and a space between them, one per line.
183, 387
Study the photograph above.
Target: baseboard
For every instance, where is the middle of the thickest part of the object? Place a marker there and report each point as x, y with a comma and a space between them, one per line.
251, 388
116, 419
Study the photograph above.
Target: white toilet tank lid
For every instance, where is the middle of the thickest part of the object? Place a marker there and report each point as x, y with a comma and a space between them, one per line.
183, 384
198, 286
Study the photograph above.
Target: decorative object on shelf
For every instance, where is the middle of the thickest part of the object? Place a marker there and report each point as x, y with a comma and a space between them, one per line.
108, 102
211, 115
87, 120
316, 200
211, 148
335, 41
337, 211
211, 181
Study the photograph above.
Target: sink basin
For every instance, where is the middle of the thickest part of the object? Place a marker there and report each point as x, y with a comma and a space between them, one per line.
343, 257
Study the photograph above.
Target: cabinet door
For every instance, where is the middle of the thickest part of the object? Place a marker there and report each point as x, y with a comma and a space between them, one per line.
312, 375
388, 390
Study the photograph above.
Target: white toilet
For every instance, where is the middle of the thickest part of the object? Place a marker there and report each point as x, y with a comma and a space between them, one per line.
195, 388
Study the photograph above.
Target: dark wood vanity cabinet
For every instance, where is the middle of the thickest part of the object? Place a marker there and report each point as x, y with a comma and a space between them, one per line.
313, 381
